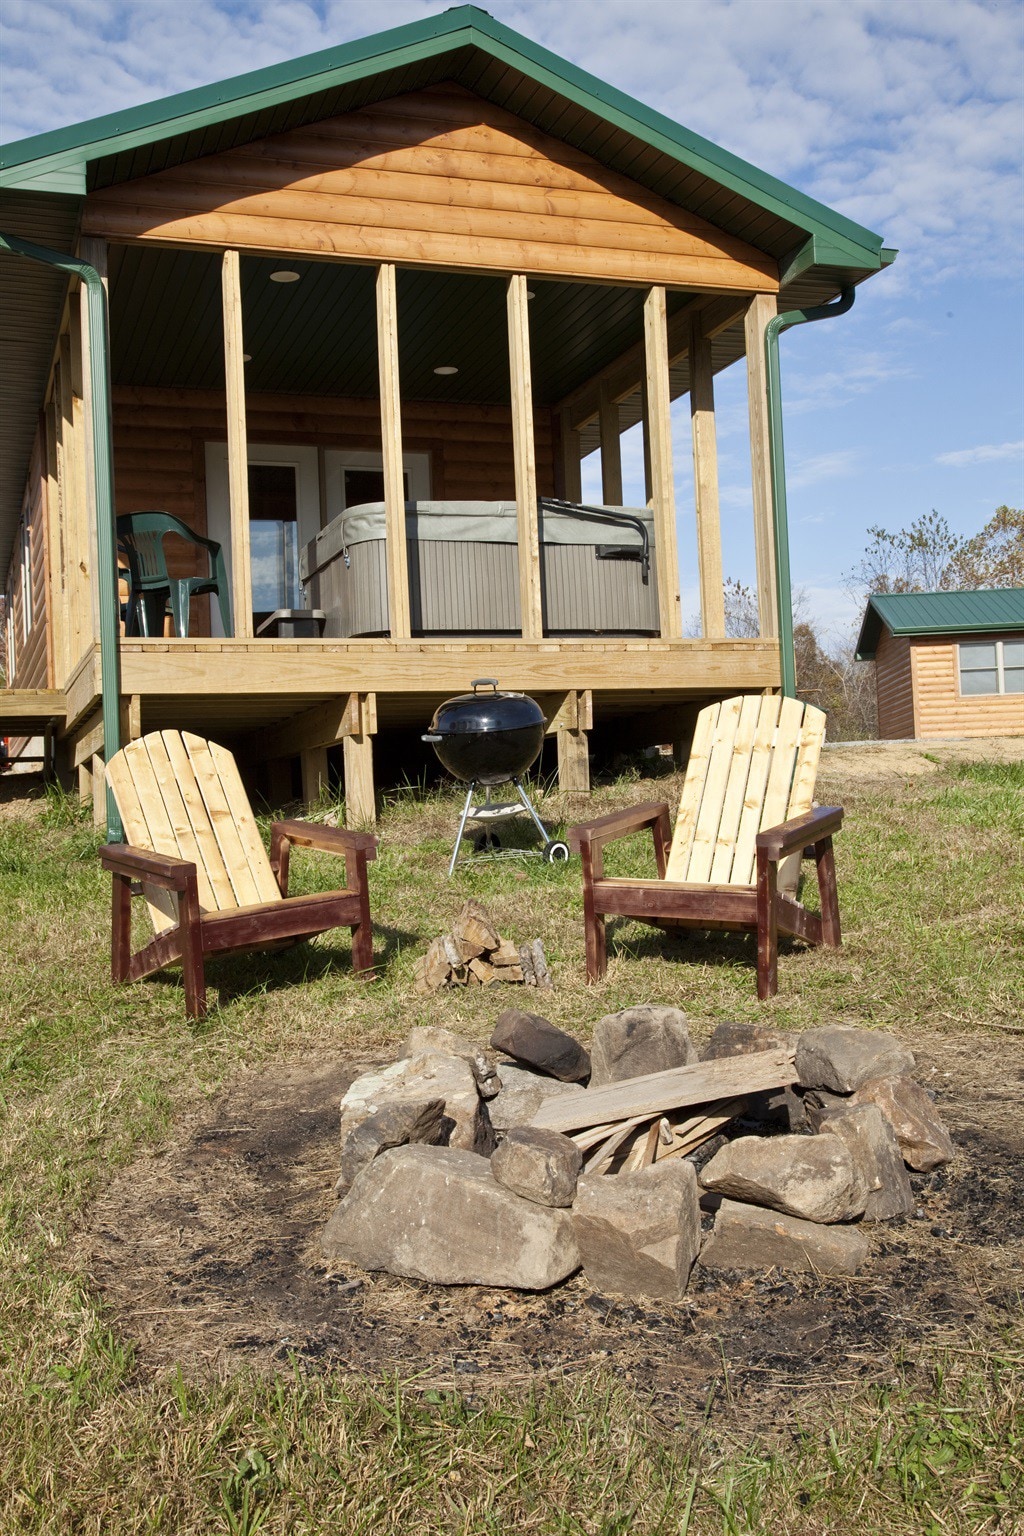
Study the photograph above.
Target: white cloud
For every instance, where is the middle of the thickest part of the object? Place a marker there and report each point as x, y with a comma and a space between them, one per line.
821, 466
984, 453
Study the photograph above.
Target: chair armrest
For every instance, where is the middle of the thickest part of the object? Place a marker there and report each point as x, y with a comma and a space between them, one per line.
606, 829
801, 831
313, 834
140, 864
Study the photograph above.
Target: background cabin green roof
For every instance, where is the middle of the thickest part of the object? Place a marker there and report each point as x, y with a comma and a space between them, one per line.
939, 613
44, 179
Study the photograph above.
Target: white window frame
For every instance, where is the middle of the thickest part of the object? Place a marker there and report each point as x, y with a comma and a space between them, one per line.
337, 460
26, 581
1000, 670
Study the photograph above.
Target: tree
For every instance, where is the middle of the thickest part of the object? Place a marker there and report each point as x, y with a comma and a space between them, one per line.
994, 557
928, 557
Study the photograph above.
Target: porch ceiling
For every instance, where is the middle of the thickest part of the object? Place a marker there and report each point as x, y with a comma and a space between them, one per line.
319, 335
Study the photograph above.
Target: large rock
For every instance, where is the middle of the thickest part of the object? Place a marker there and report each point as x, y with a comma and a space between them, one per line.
427, 1039
539, 1165
529, 1038
729, 1039
437, 1214
639, 1233
840, 1057
749, 1237
924, 1141
875, 1150
637, 1041
812, 1177
416, 1079
397, 1124
521, 1095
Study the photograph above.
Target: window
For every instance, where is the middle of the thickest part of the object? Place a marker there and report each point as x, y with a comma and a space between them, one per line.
26, 581
991, 666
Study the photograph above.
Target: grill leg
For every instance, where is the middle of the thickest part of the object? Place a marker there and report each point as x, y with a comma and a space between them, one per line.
462, 828
541, 828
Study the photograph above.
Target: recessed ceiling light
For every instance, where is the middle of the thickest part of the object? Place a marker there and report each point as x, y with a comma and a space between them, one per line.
246, 357
284, 275
530, 293
446, 369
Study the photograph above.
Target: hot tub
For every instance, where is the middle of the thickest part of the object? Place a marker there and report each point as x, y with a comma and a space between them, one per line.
597, 564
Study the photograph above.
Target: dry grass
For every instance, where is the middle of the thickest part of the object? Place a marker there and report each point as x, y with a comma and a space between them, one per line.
932, 890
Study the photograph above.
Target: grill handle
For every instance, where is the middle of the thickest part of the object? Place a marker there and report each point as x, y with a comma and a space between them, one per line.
484, 682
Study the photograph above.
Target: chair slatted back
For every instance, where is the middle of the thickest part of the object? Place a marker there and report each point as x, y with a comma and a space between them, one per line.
182, 796
752, 765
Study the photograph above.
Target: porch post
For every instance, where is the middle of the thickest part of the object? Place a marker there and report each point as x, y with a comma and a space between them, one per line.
530, 605
705, 476
760, 310
238, 454
611, 449
659, 436
396, 549
572, 488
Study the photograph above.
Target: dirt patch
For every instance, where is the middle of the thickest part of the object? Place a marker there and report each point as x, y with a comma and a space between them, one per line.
911, 759
207, 1256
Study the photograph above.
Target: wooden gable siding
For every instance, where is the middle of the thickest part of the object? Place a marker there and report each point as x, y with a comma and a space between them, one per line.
28, 666
159, 437
938, 706
894, 687
439, 177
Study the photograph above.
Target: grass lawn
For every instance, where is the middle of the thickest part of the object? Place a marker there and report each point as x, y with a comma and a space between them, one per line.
108, 1425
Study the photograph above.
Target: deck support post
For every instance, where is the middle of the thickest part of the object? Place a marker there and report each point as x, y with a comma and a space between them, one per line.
396, 548
314, 775
571, 486
611, 449
238, 453
98, 776
761, 309
659, 436
530, 600
705, 477
570, 724
360, 795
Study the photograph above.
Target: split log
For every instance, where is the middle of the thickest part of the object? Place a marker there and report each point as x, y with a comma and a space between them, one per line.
640, 1098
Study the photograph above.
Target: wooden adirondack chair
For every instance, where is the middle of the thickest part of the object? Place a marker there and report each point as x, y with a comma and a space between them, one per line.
194, 851
745, 821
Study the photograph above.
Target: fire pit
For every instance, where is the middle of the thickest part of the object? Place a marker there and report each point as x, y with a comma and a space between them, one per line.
486, 738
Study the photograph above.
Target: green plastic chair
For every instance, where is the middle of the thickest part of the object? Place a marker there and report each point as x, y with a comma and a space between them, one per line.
141, 536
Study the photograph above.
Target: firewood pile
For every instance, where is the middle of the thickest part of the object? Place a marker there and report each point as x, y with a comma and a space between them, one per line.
475, 954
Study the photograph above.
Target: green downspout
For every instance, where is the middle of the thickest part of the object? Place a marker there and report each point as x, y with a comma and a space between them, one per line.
776, 454
103, 470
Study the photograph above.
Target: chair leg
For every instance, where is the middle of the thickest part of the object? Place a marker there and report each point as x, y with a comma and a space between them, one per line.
121, 928
824, 858
362, 933
192, 960
593, 921
767, 926
179, 596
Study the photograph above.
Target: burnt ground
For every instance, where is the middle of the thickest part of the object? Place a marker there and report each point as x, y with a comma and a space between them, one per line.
206, 1255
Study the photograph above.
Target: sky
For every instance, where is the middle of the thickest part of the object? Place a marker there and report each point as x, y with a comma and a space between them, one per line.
906, 115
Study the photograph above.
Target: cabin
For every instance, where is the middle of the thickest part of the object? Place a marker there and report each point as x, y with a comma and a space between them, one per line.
946, 663
359, 320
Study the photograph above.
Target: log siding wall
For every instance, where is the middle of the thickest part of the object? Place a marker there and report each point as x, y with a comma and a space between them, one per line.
28, 661
439, 177
918, 686
160, 437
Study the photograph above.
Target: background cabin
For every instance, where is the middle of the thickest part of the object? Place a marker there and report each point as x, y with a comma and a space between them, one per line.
420, 274
946, 663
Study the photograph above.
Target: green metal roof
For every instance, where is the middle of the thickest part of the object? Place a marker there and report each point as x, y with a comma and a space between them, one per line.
939, 613
44, 179
57, 161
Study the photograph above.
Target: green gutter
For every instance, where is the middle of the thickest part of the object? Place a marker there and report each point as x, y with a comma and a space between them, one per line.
103, 472
783, 583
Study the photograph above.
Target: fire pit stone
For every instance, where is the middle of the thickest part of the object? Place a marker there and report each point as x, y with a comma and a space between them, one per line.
813, 1177
635, 1041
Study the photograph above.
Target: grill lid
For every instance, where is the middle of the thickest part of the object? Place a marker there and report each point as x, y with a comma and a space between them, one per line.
485, 710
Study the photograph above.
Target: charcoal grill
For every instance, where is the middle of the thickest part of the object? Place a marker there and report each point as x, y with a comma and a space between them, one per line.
486, 738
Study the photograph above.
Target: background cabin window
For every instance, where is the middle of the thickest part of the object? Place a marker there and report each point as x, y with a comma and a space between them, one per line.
991, 666
273, 538
353, 479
